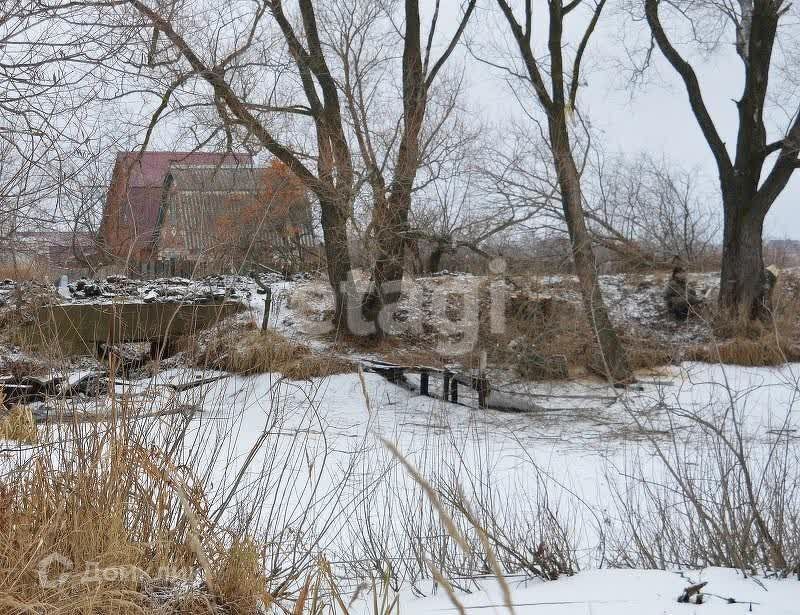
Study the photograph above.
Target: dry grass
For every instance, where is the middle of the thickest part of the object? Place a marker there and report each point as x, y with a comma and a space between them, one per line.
113, 513
550, 326
18, 425
763, 351
23, 271
647, 354
757, 344
251, 351
239, 575
145, 526
545, 329
538, 328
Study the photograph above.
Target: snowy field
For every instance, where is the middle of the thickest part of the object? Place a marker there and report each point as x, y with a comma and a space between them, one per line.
595, 472
624, 592
334, 483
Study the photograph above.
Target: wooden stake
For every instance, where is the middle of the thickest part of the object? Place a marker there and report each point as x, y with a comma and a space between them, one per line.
267, 306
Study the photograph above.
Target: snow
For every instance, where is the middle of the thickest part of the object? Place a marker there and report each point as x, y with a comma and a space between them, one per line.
302, 308
581, 447
320, 430
622, 592
581, 451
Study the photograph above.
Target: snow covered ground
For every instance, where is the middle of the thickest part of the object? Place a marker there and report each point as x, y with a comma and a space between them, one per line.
581, 452
623, 592
318, 443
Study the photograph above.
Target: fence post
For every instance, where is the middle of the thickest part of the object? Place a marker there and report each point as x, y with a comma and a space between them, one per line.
483, 384
267, 307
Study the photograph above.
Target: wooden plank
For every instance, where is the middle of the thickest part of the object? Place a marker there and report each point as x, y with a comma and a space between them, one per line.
500, 399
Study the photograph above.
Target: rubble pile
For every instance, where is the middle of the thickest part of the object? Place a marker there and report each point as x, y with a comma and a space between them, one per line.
27, 292
162, 290
117, 287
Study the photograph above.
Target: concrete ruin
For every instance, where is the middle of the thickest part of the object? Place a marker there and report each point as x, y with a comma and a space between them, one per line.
72, 329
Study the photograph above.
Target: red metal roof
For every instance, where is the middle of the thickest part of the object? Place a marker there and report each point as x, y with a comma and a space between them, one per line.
148, 169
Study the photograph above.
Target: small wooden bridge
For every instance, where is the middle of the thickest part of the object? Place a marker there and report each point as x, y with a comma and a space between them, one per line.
84, 328
475, 389
450, 380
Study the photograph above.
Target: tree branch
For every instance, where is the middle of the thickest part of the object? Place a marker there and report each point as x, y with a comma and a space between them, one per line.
224, 91
453, 42
788, 161
692, 85
576, 66
523, 42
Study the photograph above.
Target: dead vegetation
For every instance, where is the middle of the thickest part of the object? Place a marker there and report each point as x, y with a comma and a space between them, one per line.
705, 497
548, 338
543, 335
252, 351
754, 343
18, 425
26, 270
763, 351
159, 516
109, 531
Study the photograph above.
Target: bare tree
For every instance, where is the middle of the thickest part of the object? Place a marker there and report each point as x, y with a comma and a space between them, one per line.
474, 200
48, 72
558, 101
648, 210
392, 165
267, 78
750, 181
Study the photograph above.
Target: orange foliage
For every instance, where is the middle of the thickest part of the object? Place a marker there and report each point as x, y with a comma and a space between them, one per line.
242, 223
280, 189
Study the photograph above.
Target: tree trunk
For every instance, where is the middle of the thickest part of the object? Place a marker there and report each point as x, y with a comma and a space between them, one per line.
749, 189
337, 257
614, 361
742, 260
435, 261
390, 216
390, 224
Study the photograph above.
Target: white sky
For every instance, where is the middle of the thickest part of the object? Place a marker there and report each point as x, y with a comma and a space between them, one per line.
656, 118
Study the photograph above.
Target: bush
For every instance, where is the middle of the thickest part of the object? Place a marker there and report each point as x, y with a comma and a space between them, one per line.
151, 513
712, 499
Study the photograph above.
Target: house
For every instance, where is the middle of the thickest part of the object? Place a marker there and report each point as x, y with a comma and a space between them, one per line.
205, 208
231, 215
133, 199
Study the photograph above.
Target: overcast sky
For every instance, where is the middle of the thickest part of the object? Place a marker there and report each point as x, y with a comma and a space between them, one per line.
655, 118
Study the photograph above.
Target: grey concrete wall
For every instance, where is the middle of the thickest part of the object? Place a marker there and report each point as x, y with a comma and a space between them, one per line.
77, 328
